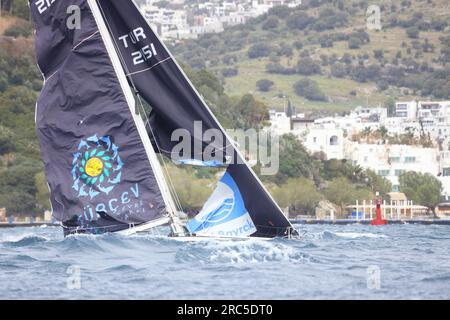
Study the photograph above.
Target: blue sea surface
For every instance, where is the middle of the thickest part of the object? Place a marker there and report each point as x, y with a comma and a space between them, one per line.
331, 262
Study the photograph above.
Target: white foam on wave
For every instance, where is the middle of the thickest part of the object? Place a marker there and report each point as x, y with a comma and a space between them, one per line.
332, 235
250, 251
85, 236
355, 235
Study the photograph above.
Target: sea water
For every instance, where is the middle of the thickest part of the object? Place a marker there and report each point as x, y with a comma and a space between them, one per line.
330, 262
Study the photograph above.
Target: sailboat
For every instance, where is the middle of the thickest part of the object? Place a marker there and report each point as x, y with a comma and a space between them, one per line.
101, 62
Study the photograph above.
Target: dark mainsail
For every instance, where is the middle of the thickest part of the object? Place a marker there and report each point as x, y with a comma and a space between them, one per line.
97, 166
154, 73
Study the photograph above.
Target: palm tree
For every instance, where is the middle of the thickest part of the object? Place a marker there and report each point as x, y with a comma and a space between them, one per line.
383, 132
358, 173
367, 131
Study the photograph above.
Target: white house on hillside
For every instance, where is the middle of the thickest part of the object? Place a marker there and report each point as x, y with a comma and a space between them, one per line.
330, 141
390, 161
406, 110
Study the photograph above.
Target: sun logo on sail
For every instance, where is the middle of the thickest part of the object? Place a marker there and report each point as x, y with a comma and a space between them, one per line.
96, 167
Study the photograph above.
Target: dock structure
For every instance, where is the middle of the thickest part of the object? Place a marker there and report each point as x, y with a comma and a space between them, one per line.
26, 221
398, 210
393, 210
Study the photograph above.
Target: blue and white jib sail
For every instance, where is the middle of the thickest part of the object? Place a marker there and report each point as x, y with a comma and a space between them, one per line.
224, 214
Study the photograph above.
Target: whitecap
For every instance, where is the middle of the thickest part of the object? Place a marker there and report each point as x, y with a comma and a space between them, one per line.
355, 235
239, 252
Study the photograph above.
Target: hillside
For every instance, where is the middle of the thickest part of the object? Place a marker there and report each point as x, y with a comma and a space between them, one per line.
23, 188
328, 42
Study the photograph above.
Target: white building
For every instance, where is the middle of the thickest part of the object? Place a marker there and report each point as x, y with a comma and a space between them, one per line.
169, 24
390, 161
172, 24
280, 123
329, 141
434, 118
424, 117
430, 109
406, 110
330, 136
300, 124
233, 19
369, 114
320, 136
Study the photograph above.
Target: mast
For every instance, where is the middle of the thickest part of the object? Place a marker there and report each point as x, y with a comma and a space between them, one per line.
175, 224
205, 105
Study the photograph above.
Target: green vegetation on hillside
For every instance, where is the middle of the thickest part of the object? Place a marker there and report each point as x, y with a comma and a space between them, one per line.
302, 182
328, 42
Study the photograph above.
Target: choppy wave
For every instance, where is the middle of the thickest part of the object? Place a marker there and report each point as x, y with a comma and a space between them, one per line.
24, 241
240, 252
355, 235
445, 277
329, 235
328, 262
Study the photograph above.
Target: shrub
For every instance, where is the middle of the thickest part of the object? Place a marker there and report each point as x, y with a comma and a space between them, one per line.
326, 41
20, 29
300, 20
230, 72
6, 141
378, 54
277, 68
354, 43
264, 85
298, 45
412, 32
308, 66
439, 25
339, 71
310, 90
286, 50
382, 85
271, 23
259, 50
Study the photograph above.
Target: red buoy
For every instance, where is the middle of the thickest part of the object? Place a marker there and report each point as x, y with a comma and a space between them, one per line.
378, 221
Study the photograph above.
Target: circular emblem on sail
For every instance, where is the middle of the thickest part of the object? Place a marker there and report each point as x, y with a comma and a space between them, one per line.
96, 167
219, 206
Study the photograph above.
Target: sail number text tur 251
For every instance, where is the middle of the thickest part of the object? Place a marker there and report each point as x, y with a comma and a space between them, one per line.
144, 53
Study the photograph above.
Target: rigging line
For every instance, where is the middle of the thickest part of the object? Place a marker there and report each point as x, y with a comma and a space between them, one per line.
124, 65
166, 167
171, 185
